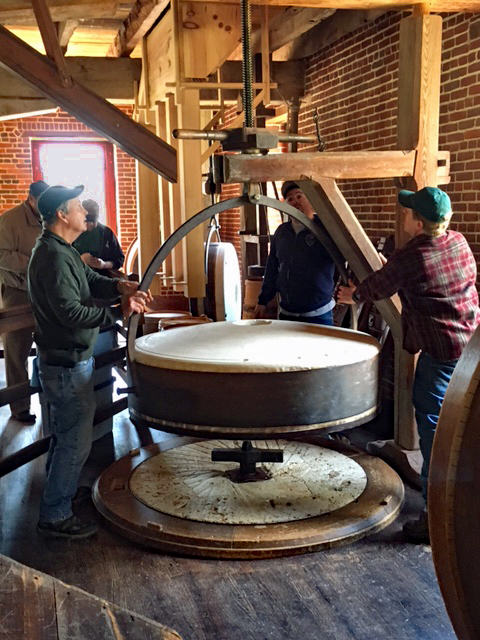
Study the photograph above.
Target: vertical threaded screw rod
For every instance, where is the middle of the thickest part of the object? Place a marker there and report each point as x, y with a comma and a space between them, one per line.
247, 71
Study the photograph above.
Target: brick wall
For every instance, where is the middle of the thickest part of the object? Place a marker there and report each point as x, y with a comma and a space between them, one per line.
354, 85
230, 220
16, 163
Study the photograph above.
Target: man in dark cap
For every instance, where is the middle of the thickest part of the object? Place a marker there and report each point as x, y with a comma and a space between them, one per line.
298, 268
19, 229
98, 245
62, 291
435, 275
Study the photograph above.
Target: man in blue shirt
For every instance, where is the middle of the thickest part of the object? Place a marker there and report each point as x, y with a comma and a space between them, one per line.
298, 268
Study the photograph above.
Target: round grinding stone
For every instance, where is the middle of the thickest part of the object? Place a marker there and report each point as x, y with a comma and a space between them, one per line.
257, 346
254, 379
311, 481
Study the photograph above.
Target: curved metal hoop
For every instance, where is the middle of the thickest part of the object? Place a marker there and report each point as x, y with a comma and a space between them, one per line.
193, 222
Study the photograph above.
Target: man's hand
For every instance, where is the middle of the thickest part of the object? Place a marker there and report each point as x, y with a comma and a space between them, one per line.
133, 303
383, 259
345, 293
260, 311
86, 257
98, 263
127, 286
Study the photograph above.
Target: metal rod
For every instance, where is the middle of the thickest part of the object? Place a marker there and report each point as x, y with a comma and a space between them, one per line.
247, 70
192, 134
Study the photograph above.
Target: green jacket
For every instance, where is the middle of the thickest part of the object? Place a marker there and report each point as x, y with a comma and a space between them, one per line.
62, 291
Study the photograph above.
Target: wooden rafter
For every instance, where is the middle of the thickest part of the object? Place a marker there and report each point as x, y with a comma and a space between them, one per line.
143, 15
20, 12
87, 106
328, 31
110, 78
435, 6
287, 25
49, 35
293, 22
65, 31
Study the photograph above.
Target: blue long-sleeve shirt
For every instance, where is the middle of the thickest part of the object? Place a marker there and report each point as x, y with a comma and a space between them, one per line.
300, 269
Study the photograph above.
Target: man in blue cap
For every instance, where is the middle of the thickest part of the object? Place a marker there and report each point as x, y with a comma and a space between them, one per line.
435, 275
62, 291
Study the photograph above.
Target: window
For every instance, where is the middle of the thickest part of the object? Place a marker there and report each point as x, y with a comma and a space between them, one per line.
87, 162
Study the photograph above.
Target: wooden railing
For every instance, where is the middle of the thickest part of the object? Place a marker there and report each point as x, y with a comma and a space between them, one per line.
21, 317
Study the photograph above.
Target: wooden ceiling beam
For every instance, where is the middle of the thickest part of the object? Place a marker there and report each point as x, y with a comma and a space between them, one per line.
142, 17
339, 165
294, 22
49, 35
326, 33
65, 31
286, 26
20, 12
110, 78
435, 6
88, 107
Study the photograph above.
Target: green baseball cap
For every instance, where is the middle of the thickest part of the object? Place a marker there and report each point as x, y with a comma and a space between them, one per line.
430, 202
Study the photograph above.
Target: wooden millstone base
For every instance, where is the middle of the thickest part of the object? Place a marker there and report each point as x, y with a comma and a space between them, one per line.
378, 505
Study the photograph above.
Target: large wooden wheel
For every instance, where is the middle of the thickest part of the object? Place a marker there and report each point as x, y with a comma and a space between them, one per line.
454, 495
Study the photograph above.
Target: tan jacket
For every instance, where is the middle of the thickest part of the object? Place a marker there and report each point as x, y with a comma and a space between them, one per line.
19, 230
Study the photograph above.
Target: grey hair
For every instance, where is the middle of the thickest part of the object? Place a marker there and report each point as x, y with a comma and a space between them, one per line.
63, 207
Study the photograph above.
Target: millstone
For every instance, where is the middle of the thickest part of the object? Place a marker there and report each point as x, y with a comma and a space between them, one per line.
185, 483
254, 379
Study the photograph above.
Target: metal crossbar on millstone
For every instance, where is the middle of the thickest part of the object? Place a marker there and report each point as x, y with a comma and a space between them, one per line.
248, 457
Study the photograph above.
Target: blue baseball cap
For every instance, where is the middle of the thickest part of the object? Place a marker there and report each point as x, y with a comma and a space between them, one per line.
287, 186
430, 202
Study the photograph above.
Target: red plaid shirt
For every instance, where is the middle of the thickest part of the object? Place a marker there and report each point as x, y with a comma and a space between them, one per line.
435, 279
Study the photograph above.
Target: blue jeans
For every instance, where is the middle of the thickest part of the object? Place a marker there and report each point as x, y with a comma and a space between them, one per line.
70, 400
325, 318
429, 387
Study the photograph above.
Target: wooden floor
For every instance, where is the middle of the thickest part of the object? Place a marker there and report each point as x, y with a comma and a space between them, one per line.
380, 588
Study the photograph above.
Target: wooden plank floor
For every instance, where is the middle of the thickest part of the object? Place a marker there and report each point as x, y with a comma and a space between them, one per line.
379, 588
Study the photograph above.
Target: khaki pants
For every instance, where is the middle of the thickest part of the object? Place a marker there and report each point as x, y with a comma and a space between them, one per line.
16, 347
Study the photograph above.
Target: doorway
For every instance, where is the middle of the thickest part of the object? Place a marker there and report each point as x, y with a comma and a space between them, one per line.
71, 163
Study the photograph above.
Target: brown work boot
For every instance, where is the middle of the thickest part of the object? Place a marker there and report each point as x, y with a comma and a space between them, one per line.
417, 530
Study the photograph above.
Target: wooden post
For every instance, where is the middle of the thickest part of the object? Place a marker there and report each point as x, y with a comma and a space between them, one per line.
190, 181
164, 193
417, 128
175, 200
265, 55
148, 213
